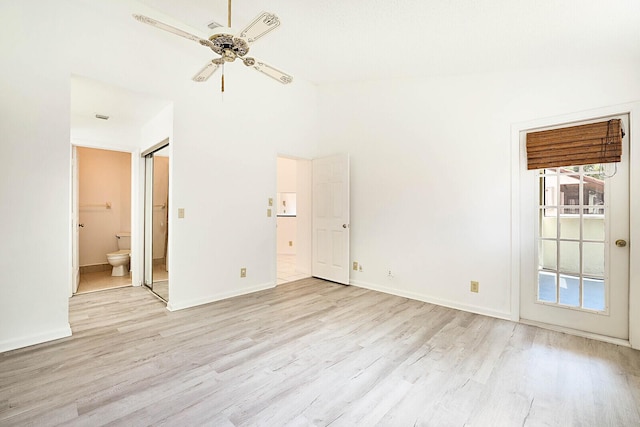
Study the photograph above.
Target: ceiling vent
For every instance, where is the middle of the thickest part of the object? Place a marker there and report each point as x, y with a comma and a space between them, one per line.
102, 117
213, 25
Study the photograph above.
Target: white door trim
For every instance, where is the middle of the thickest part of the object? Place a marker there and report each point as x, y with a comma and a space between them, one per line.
75, 232
136, 276
517, 154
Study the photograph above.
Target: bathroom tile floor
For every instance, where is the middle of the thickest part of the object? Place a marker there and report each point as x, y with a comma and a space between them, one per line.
100, 280
286, 269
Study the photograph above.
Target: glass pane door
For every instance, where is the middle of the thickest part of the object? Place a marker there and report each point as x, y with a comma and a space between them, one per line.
571, 238
574, 272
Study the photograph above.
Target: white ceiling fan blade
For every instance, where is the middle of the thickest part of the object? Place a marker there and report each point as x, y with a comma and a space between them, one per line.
262, 25
270, 71
174, 30
206, 72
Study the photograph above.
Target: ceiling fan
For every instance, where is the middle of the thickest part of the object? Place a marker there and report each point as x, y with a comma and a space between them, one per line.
231, 47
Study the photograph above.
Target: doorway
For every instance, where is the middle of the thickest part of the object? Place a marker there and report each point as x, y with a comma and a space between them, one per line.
293, 223
316, 243
156, 219
102, 215
576, 272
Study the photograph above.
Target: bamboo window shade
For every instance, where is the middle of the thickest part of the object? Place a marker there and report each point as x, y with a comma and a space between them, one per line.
575, 145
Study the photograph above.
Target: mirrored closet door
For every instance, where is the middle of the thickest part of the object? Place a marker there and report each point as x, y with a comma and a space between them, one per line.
156, 219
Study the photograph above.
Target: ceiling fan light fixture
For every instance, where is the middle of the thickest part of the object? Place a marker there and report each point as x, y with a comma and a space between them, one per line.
228, 46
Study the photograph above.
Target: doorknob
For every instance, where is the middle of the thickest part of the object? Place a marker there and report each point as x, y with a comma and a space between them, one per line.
344, 225
621, 243
80, 225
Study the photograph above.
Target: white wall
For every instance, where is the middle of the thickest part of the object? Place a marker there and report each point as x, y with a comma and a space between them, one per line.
287, 226
34, 180
431, 173
286, 243
215, 142
287, 175
426, 157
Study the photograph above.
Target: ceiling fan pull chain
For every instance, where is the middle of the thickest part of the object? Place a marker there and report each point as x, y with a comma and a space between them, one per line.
229, 15
222, 87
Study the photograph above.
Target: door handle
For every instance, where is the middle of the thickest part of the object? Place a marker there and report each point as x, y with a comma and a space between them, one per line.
621, 243
80, 225
344, 225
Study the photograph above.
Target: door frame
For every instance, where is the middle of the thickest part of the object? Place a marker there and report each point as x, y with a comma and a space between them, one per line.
136, 276
520, 243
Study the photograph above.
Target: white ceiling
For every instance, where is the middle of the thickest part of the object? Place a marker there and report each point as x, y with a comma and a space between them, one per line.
345, 40
124, 107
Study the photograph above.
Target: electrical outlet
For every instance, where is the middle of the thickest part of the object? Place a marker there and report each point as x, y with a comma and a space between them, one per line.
269, 213
180, 212
475, 286
355, 265
360, 268
243, 272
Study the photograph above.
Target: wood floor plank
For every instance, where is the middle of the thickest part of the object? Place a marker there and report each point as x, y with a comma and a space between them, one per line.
312, 353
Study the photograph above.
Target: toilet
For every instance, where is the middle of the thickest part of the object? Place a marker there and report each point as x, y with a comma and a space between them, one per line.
120, 259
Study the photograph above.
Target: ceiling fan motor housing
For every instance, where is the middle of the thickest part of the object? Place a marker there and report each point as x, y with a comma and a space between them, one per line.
228, 46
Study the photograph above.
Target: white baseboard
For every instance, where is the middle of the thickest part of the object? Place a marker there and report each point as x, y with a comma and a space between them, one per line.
433, 300
35, 339
181, 305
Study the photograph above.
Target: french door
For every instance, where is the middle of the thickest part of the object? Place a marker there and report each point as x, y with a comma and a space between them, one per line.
578, 277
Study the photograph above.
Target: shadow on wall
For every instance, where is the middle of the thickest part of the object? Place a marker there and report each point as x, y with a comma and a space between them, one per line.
104, 193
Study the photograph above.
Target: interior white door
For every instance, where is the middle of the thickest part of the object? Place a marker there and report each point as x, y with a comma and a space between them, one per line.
75, 226
576, 271
330, 223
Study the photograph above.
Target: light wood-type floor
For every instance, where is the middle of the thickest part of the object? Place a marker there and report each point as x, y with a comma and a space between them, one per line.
101, 280
312, 353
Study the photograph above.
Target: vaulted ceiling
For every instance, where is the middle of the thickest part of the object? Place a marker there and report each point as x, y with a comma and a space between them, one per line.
346, 40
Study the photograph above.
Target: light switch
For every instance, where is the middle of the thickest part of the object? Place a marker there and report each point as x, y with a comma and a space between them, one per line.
180, 212
270, 201
269, 213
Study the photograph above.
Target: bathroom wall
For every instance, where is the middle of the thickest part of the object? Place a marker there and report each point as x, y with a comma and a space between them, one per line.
104, 176
160, 200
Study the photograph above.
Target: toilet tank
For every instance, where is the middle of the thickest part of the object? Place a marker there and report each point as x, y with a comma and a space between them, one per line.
124, 240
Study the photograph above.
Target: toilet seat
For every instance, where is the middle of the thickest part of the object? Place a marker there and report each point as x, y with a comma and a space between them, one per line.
123, 253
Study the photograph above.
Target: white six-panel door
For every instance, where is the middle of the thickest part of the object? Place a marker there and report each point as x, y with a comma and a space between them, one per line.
330, 251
